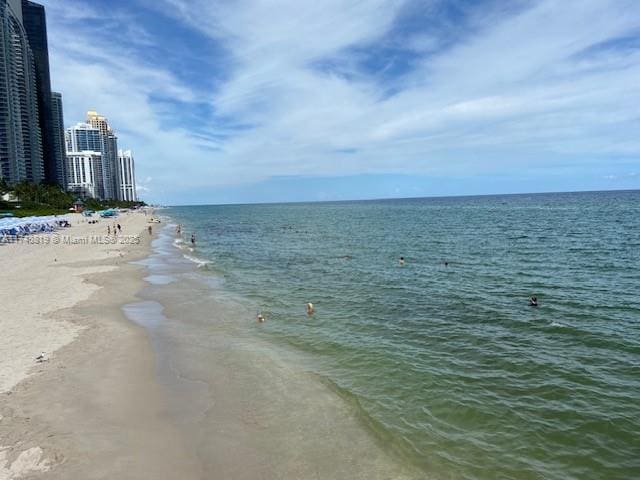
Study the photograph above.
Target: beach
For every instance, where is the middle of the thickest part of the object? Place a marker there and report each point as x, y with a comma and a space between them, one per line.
46, 273
132, 388
92, 409
432, 369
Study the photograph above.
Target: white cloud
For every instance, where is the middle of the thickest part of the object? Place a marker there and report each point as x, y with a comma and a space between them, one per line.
514, 88
516, 76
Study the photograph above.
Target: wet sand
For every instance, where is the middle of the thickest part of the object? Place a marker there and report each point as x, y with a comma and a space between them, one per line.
248, 409
94, 409
179, 387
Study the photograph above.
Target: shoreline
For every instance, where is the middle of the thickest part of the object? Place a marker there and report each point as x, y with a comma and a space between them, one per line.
94, 408
192, 386
248, 407
174, 393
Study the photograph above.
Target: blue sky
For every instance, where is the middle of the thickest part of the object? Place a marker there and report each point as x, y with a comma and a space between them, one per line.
226, 101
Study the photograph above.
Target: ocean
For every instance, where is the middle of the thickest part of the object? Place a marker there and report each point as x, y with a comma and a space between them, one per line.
435, 369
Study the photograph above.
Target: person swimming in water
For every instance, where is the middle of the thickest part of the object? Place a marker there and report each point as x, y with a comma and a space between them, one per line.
310, 309
402, 261
533, 301
260, 318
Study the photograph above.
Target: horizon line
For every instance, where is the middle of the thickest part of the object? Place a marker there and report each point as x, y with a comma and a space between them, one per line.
293, 202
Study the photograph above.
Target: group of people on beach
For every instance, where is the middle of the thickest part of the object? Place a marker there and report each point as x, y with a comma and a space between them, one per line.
116, 229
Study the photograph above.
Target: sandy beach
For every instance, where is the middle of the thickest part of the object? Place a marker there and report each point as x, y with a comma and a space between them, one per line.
92, 409
46, 273
118, 399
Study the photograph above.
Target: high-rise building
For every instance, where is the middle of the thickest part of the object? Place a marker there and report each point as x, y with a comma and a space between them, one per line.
20, 138
35, 24
83, 137
82, 173
126, 176
83, 141
109, 153
86, 138
59, 149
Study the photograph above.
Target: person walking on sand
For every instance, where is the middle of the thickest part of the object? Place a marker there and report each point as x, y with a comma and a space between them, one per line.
150, 230
108, 230
119, 228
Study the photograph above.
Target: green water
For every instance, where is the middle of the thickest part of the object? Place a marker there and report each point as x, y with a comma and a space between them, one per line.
451, 368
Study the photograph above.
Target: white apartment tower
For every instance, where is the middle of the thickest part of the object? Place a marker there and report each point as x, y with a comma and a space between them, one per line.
83, 141
126, 177
84, 170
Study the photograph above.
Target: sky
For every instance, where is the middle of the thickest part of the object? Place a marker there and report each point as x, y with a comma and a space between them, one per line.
241, 101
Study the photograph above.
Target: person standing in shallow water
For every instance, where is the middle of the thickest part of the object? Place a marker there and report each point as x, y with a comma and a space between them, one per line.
150, 230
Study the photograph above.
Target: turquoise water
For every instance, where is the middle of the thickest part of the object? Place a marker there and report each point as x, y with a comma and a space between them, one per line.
452, 369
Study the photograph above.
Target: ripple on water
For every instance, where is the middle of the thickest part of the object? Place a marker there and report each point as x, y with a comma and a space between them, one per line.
449, 363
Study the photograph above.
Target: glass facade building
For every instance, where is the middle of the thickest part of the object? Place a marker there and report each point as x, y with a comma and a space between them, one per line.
83, 137
35, 24
59, 141
21, 156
